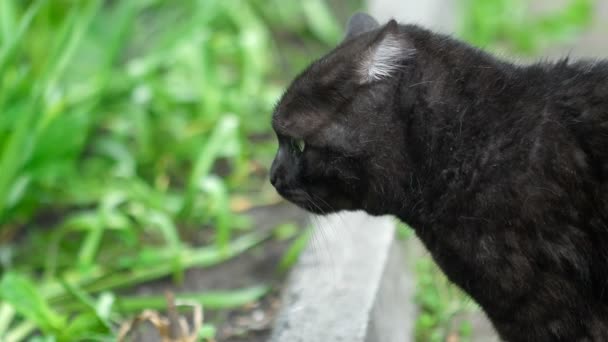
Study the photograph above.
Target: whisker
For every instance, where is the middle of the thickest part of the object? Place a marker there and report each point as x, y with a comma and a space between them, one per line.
324, 258
314, 244
338, 213
310, 200
329, 267
319, 236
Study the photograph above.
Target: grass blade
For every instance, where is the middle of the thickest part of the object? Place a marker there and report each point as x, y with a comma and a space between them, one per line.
210, 300
7, 313
99, 279
72, 32
223, 132
8, 18
20, 332
17, 150
23, 295
321, 21
87, 301
293, 252
9, 47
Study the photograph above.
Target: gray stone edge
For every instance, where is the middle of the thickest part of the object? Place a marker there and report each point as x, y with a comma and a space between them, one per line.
353, 284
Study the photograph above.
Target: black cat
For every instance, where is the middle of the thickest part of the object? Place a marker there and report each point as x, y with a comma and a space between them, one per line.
501, 169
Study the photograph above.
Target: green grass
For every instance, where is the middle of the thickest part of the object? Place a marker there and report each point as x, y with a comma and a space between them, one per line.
123, 125
511, 26
439, 303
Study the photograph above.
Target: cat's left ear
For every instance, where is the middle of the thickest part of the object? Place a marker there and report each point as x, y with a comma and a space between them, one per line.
385, 55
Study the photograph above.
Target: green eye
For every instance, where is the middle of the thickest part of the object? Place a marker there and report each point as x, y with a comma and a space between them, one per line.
299, 145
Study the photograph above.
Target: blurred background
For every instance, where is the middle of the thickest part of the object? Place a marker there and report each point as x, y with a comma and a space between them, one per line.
134, 149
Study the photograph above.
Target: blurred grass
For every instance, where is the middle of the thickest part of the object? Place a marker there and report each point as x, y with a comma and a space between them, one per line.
439, 304
512, 25
125, 124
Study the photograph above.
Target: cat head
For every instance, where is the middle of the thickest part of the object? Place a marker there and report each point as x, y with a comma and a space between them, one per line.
340, 140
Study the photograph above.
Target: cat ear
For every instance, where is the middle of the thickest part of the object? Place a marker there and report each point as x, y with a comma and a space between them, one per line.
360, 23
385, 55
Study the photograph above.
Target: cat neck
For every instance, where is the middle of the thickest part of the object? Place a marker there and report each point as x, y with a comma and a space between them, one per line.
447, 102
460, 107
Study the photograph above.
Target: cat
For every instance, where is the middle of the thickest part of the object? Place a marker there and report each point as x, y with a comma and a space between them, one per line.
500, 169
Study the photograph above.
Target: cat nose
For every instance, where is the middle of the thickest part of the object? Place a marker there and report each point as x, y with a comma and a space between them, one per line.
277, 180
274, 175
273, 178
281, 173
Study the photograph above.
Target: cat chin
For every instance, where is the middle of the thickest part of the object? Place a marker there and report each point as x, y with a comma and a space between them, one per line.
321, 206
318, 211
315, 210
318, 208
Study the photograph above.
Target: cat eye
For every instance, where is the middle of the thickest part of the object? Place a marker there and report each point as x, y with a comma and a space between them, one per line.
299, 144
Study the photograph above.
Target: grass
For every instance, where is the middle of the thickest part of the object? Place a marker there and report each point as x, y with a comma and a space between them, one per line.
442, 306
125, 125
440, 303
511, 26
504, 26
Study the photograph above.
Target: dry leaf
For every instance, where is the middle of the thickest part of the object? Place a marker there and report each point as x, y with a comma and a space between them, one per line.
452, 338
239, 204
173, 328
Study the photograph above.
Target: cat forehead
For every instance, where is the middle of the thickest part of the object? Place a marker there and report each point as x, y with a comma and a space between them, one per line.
295, 109
295, 124
280, 124
286, 117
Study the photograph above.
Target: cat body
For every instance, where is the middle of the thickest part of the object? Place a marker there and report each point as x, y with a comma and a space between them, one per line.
501, 170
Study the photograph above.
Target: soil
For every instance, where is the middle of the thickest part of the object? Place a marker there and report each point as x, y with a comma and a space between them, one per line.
253, 322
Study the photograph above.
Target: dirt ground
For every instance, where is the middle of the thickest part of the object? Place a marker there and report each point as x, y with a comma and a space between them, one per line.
257, 266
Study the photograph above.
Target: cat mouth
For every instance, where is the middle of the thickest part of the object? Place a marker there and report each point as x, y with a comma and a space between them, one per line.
297, 196
307, 201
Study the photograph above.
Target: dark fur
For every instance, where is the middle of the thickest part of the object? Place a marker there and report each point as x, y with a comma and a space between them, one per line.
500, 169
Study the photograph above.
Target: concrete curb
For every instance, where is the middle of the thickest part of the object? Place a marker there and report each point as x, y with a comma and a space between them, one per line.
351, 285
